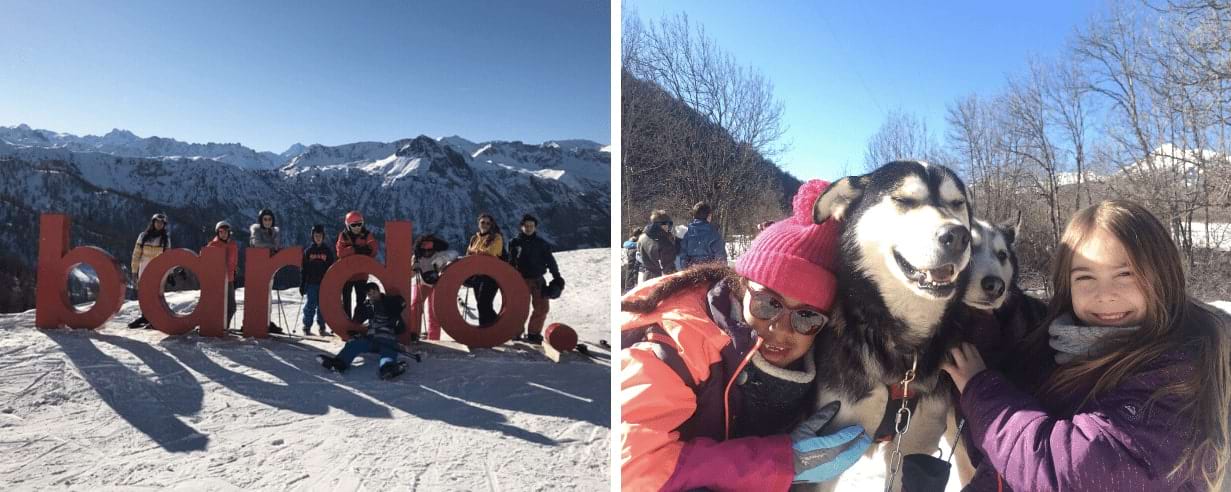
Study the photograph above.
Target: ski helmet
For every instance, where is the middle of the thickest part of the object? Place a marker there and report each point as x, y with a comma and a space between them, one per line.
318, 228
159, 216
554, 288
354, 217
221, 224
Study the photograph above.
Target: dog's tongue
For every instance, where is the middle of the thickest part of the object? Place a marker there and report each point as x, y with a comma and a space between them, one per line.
942, 274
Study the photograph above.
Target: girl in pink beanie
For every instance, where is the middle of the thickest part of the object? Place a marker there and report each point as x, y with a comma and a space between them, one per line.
716, 370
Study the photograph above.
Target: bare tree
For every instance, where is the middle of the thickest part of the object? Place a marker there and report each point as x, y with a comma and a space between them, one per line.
902, 136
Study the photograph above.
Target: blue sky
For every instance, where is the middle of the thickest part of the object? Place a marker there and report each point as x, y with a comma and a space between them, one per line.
269, 74
840, 67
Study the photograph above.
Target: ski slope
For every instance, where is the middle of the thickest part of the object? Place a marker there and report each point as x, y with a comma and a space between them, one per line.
136, 409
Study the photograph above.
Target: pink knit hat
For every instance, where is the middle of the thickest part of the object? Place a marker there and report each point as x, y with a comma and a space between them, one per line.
795, 257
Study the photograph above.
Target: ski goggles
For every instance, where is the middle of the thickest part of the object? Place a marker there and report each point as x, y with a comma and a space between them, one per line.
356, 225
766, 306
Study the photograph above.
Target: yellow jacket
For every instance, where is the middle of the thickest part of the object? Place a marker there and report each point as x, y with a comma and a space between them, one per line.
493, 247
145, 251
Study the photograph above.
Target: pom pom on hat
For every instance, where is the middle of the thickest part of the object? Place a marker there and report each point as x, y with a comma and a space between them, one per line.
805, 198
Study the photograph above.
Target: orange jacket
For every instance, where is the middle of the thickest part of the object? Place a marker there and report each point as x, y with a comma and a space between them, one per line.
676, 373
232, 250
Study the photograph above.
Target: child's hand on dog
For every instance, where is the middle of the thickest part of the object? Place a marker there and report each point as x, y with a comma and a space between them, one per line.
966, 362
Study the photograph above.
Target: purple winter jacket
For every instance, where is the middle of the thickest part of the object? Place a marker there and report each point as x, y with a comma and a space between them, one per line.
1112, 443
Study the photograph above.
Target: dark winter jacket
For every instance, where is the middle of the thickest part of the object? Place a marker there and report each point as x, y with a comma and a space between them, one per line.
700, 408
317, 258
1114, 442
657, 249
384, 318
630, 255
702, 243
531, 256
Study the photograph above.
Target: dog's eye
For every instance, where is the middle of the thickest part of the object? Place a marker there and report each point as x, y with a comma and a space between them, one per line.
957, 203
905, 202
1001, 255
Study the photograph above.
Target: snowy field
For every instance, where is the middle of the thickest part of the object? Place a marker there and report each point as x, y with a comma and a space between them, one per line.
125, 409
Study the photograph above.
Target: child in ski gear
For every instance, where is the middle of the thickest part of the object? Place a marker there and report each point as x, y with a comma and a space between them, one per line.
355, 240
702, 242
488, 241
153, 241
657, 247
317, 258
222, 239
532, 257
265, 234
383, 315
1126, 388
432, 255
630, 261
716, 368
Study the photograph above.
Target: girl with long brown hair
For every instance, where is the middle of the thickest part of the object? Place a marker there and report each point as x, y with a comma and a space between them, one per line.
488, 241
1132, 392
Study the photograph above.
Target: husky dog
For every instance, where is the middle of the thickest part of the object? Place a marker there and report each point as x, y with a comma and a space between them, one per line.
997, 317
902, 275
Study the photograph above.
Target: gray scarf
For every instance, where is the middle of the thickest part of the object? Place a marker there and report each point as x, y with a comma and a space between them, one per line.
1079, 342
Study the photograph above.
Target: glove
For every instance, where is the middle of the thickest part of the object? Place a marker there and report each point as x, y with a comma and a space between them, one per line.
819, 458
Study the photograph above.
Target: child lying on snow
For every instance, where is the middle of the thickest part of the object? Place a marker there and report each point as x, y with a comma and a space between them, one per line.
383, 314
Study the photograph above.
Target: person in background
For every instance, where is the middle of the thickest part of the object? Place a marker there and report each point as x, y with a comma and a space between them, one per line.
355, 240
432, 255
317, 258
531, 256
153, 241
265, 234
488, 241
631, 263
702, 243
222, 239
657, 247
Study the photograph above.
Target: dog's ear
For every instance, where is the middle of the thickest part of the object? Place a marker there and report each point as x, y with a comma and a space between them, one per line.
1011, 229
834, 201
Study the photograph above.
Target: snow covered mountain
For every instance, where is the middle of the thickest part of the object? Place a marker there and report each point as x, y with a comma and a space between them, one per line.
432, 183
125, 143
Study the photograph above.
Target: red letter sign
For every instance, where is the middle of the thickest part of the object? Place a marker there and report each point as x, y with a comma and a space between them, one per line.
259, 278
52, 306
394, 275
515, 301
211, 311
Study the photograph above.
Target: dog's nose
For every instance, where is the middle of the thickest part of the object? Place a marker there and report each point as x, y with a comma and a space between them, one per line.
954, 238
992, 286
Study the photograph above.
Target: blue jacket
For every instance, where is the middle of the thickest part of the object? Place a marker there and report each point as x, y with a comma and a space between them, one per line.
701, 243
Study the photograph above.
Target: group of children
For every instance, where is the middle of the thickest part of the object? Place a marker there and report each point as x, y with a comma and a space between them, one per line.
528, 253
1124, 387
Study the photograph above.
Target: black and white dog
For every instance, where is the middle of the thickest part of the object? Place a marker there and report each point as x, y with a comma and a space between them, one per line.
998, 316
902, 274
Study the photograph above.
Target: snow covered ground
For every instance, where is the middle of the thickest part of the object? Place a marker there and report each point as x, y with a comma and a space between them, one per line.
135, 409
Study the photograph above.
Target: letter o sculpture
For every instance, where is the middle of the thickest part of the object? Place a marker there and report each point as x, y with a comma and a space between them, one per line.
514, 310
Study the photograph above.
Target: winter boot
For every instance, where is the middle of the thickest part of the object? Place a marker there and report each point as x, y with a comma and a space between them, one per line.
274, 328
307, 331
534, 338
414, 337
330, 363
392, 370
139, 323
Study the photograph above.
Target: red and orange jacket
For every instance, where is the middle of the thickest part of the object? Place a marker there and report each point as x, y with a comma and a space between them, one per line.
232, 251
677, 370
346, 246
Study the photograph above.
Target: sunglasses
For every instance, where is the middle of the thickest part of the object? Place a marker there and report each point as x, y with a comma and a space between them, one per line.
357, 224
484, 222
667, 223
769, 307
